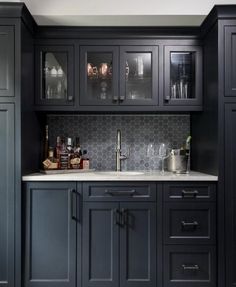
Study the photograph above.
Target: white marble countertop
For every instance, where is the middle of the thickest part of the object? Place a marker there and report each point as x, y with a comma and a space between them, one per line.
120, 176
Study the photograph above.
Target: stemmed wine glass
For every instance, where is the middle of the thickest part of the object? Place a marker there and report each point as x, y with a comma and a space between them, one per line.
163, 151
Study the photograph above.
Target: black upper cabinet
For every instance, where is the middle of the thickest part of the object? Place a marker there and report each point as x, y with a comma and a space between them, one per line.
182, 75
99, 75
7, 61
230, 57
138, 75
118, 75
54, 76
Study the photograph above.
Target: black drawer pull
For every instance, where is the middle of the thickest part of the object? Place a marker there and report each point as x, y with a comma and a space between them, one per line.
194, 267
189, 225
120, 192
189, 193
194, 223
73, 202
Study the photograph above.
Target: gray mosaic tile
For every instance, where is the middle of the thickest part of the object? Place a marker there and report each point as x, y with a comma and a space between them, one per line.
98, 136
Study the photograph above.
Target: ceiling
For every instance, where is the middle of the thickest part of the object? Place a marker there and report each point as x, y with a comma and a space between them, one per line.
121, 12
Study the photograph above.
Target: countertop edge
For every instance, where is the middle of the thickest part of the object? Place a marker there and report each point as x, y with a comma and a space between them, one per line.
96, 176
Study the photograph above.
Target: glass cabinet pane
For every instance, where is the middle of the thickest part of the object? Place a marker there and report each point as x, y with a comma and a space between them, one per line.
138, 74
54, 78
182, 75
99, 76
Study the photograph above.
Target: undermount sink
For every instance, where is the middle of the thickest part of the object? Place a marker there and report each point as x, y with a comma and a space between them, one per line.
118, 173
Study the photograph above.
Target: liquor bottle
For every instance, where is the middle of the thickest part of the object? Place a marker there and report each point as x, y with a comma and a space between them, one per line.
70, 151
58, 150
77, 149
84, 163
75, 162
46, 142
63, 156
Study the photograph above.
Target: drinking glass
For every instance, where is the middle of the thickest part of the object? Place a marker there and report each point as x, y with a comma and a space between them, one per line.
163, 151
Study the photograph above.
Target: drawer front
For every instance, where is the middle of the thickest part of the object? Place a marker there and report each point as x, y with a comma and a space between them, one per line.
189, 223
120, 191
189, 266
192, 191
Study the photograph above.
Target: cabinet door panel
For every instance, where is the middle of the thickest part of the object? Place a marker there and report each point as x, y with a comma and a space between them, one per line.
99, 75
139, 75
100, 244
230, 195
7, 61
230, 60
54, 76
183, 75
138, 245
51, 235
7, 195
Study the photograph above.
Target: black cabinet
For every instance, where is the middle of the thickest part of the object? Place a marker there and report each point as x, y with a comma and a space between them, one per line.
99, 73
139, 75
183, 75
138, 244
7, 194
54, 72
52, 226
100, 244
189, 221
189, 266
230, 60
119, 239
230, 198
118, 75
7, 61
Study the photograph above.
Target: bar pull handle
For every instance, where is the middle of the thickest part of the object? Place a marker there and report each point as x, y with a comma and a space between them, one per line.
117, 215
193, 267
73, 201
189, 193
124, 217
120, 192
189, 225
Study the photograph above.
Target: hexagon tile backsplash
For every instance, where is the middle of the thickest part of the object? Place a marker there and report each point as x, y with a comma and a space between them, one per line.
98, 136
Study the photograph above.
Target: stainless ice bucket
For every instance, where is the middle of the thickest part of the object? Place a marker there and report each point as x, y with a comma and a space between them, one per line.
177, 163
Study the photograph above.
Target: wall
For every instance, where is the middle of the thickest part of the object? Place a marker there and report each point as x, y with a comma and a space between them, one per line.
124, 13
98, 135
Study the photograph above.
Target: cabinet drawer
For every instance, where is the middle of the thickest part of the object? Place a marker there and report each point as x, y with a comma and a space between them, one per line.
189, 223
189, 266
112, 191
189, 191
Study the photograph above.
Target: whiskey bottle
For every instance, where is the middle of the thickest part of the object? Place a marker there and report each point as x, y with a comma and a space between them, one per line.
70, 151
75, 162
63, 156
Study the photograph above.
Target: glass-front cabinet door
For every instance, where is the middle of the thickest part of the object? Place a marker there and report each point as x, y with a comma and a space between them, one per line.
54, 75
182, 75
99, 75
138, 75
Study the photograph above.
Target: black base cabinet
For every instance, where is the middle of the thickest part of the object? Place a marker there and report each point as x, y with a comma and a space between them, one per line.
51, 232
189, 234
7, 194
230, 197
112, 234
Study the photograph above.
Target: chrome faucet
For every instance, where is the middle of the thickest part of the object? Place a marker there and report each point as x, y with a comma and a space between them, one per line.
119, 156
